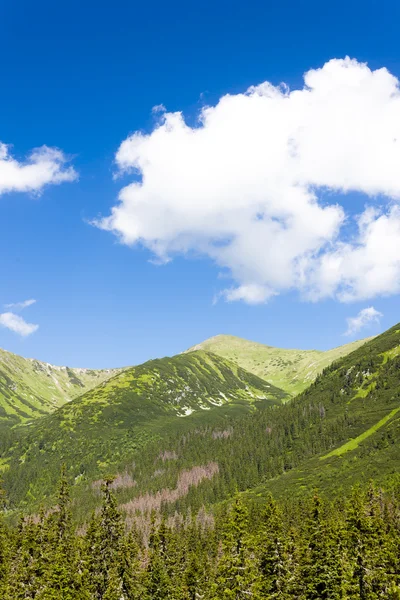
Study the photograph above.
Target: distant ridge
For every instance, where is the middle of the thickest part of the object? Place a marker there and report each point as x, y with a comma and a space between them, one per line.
30, 388
289, 369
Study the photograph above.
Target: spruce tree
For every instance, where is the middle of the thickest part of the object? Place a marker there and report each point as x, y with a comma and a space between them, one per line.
237, 575
322, 567
104, 544
5, 544
158, 580
366, 541
26, 570
273, 553
113, 589
62, 578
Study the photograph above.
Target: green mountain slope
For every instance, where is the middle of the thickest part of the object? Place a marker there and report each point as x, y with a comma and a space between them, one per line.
290, 370
190, 430
30, 388
129, 416
362, 390
340, 431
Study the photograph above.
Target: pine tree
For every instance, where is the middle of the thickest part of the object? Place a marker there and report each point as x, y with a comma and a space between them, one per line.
322, 569
367, 548
26, 572
114, 585
61, 578
104, 544
273, 551
5, 544
158, 581
236, 575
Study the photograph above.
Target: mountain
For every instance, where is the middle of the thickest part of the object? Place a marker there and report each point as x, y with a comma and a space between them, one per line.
361, 394
290, 370
30, 388
128, 418
191, 430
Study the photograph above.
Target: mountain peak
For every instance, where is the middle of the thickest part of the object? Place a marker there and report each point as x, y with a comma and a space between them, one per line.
289, 369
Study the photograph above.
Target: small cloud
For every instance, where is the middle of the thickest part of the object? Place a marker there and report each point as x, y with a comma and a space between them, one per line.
364, 318
250, 293
17, 324
159, 108
21, 305
43, 166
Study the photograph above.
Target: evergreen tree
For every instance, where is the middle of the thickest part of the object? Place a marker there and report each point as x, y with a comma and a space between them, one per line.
62, 577
236, 575
113, 586
131, 573
368, 547
26, 571
158, 580
273, 551
322, 574
5, 544
104, 544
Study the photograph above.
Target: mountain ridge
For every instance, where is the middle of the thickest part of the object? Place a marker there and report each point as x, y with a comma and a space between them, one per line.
127, 414
30, 388
287, 368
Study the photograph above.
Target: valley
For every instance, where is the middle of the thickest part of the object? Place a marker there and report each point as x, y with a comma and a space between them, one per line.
147, 425
181, 471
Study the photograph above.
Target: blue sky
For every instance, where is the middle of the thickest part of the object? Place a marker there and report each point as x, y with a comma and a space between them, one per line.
82, 77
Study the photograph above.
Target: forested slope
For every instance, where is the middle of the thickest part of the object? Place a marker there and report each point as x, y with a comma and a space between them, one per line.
313, 550
192, 430
127, 420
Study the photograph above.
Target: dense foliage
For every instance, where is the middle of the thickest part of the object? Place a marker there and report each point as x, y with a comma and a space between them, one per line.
182, 437
309, 550
141, 408
344, 428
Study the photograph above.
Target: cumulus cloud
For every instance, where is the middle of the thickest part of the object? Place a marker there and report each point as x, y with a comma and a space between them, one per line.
252, 186
21, 305
17, 324
252, 293
368, 266
364, 318
43, 166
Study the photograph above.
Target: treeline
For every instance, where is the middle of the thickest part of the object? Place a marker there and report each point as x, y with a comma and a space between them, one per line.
309, 550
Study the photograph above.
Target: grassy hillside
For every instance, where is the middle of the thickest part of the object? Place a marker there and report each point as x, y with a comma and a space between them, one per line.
363, 389
120, 421
190, 430
290, 370
30, 388
341, 430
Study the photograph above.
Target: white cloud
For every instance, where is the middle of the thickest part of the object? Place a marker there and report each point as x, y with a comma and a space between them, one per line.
244, 186
252, 293
21, 305
44, 166
367, 267
17, 324
364, 318
159, 108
